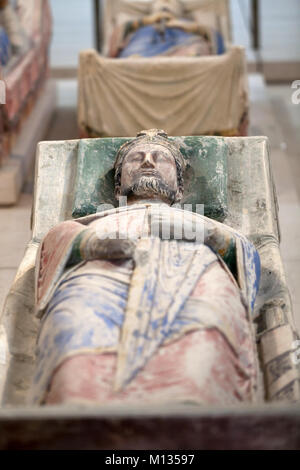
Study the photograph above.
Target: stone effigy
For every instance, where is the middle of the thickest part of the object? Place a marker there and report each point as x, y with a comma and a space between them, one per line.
146, 303
232, 177
164, 64
24, 61
165, 32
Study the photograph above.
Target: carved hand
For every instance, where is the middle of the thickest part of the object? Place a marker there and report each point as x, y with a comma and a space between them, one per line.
156, 17
188, 27
174, 23
217, 239
93, 247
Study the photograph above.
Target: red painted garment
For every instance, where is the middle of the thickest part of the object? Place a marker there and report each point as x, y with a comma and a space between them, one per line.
53, 254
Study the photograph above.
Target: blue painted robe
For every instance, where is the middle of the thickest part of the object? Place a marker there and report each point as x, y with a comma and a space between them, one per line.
148, 42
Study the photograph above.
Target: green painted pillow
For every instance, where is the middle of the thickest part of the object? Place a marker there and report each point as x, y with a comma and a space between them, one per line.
205, 178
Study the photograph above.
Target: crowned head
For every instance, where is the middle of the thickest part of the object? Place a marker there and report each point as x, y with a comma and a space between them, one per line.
150, 166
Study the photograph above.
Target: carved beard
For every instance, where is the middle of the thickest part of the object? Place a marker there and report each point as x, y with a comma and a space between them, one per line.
148, 186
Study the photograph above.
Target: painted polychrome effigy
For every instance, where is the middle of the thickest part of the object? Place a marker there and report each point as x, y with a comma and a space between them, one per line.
232, 179
24, 41
165, 32
164, 64
148, 302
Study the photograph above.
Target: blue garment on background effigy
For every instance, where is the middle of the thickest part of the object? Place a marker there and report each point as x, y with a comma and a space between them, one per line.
149, 42
220, 43
5, 48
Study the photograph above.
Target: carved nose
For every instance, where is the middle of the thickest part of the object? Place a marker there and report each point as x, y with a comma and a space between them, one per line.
148, 161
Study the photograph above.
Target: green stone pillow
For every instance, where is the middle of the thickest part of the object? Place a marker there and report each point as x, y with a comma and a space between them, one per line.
205, 177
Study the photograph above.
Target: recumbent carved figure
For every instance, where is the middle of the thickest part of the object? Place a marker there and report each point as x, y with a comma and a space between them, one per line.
165, 33
146, 303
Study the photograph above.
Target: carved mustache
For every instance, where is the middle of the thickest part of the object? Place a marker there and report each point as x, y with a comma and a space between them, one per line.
150, 184
150, 171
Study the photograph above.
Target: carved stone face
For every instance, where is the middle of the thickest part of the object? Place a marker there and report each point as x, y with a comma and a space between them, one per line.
149, 171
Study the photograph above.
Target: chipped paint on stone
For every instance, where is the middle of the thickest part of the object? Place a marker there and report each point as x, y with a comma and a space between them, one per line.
249, 180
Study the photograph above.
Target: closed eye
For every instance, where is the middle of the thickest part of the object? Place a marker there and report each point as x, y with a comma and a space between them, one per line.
161, 155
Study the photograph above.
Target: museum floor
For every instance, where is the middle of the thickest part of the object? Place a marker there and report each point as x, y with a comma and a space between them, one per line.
272, 114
